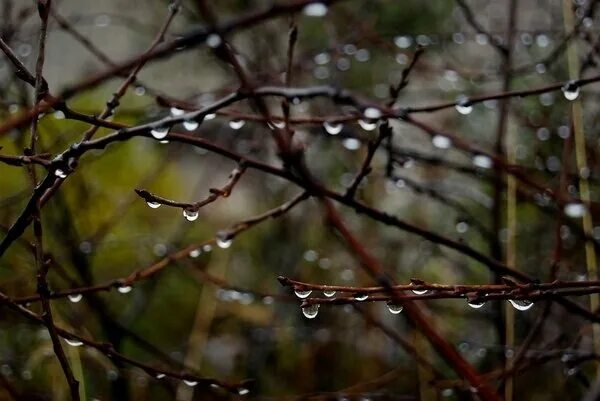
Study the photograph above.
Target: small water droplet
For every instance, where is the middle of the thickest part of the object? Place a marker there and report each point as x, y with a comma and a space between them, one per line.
328, 293
475, 303
372, 113
236, 124
153, 205
223, 240
243, 391
419, 292
351, 143
213, 40
441, 141
210, 116
571, 90
394, 308
463, 106
302, 293
311, 311
361, 297
160, 375
367, 125
190, 383
73, 342
75, 298
482, 161
124, 289
333, 128
575, 210
315, 10
159, 132
190, 125
194, 253
60, 173
190, 215
520, 304
58, 115
207, 248
177, 112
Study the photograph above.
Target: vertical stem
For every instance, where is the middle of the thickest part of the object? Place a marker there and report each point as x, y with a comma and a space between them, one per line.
581, 159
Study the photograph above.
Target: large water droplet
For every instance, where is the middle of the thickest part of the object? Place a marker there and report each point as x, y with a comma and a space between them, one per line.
124, 289
361, 297
60, 173
419, 292
394, 308
159, 132
441, 141
571, 90
190, 383
190, 215
463, 106
315, 10
575, 210
177, 112
482, 161
521, 304
311, 311
476, 303
367, 125
328, 293
73, 342
333, 128
372, 113
75, 298
236, 124
302, 293
224, 241
190, 125
153, 205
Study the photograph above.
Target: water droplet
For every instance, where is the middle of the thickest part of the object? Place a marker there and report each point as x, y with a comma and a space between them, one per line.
190, 383
394, 308
209, 116
60, 173
482, 161
194, 253
75, 298
207, 248
160, 375
58, 115
190, 215
153, 205
333, 128
236, 124
177, 112
372, 113
367, 125
243, 391
351, 143
224, 241
73, 342
575, 210
361, 297
159, 132
302, 293
315, 10
521, 304
124, 289
419, 292
311, 311
476, 303
213, 40
571, 90
463, 106
441, 141
190, 125
328, 293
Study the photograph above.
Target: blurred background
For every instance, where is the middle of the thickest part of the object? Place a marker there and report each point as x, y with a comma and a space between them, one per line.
222, 312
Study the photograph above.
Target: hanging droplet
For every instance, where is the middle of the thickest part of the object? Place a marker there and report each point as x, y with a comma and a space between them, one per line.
361, 297
75, 298
243, 391
367, 125
73, 342
571, 90
476, 303
333, 128
153, 205
190, 383
159, 132
190, 215
311, 311
209, 116
394, 308
328, 293
207, 248
482, 161
463, 106
160, 376
372, 113
124, 289
194, 253
177, 112
302, 293
521, 304
441, 141
575, 210
351, 143
236, 124
224, 240
213, 40
315, 10
190, 125
419, 292
279, 124
60, 173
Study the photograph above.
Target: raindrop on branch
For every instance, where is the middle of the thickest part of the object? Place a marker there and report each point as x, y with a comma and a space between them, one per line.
190, 215
476, 303
361, 297
60, 173
521, 304
482, 161
213, 41
210, 116
575, 210
333, 128
463, 106
441, 141
317, 9
243, 391
75, 298
328, 293
224, 240
367, 125
124, 289
177, 112
160, 375
190, 383
153, 205
302, 293
394, 308
194, 253
236, 124
73, 342
159, 132
311, 311
190, 125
